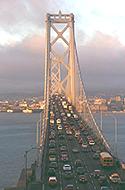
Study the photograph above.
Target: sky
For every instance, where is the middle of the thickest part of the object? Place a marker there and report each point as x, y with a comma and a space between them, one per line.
99, 34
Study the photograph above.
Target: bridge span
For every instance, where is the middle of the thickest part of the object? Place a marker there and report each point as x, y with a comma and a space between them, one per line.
73, 150
71, 142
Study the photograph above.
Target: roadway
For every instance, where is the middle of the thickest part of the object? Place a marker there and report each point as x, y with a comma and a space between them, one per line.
63, 146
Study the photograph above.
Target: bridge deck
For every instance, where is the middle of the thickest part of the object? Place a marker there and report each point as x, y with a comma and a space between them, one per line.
63, 146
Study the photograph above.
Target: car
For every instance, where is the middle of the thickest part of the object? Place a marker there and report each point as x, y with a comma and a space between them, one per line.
51, 172
51, 136
95, 156
97, 173
52, 180
115, 178
52, 158
62, 114
52, 151
52, 145
89, 138
67, 167
64, 158
85, 132
63, 148
91, 142
75, 116
69, 187
68, 114
80, 170
53, 164
60, 127
76, 134
51, 121
102, 179
68, 175
61, 136
75, 150
60, 132
58, 121
84, 145
62, 143
68, 132
105, 188
78, 163
52, 141
82, 179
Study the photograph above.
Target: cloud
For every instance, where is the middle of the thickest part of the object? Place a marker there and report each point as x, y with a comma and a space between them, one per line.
22, 66
102, 61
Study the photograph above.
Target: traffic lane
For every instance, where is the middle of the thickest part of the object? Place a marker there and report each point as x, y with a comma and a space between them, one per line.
89, 185
72, 181
74, 157
88, 168
95, 165
76, 143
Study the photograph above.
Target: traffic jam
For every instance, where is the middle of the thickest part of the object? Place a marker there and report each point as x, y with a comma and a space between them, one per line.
75, 157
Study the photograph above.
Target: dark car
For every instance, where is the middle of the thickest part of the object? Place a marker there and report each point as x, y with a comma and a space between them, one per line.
95, 156
53, 165
63, 148
102, 179
69, 187
68, 175
51, 172
78, 163
80, 170
82, 179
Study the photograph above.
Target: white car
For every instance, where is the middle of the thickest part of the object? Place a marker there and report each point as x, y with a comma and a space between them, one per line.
52, 180
58, 121
59, 127
115, 178
91, 143
67, 167
68, 114
51, 121
75, 116
84, 145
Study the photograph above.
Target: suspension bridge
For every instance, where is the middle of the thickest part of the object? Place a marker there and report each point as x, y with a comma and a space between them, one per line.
70, 141
69, 133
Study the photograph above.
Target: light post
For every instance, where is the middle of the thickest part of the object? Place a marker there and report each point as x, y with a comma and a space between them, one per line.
38, 133
25, 155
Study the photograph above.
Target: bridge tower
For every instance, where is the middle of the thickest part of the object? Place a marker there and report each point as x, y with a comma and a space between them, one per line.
60, 56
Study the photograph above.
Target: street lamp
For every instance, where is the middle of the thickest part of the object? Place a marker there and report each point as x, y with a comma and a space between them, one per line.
25, 155
38, 133
38, 125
